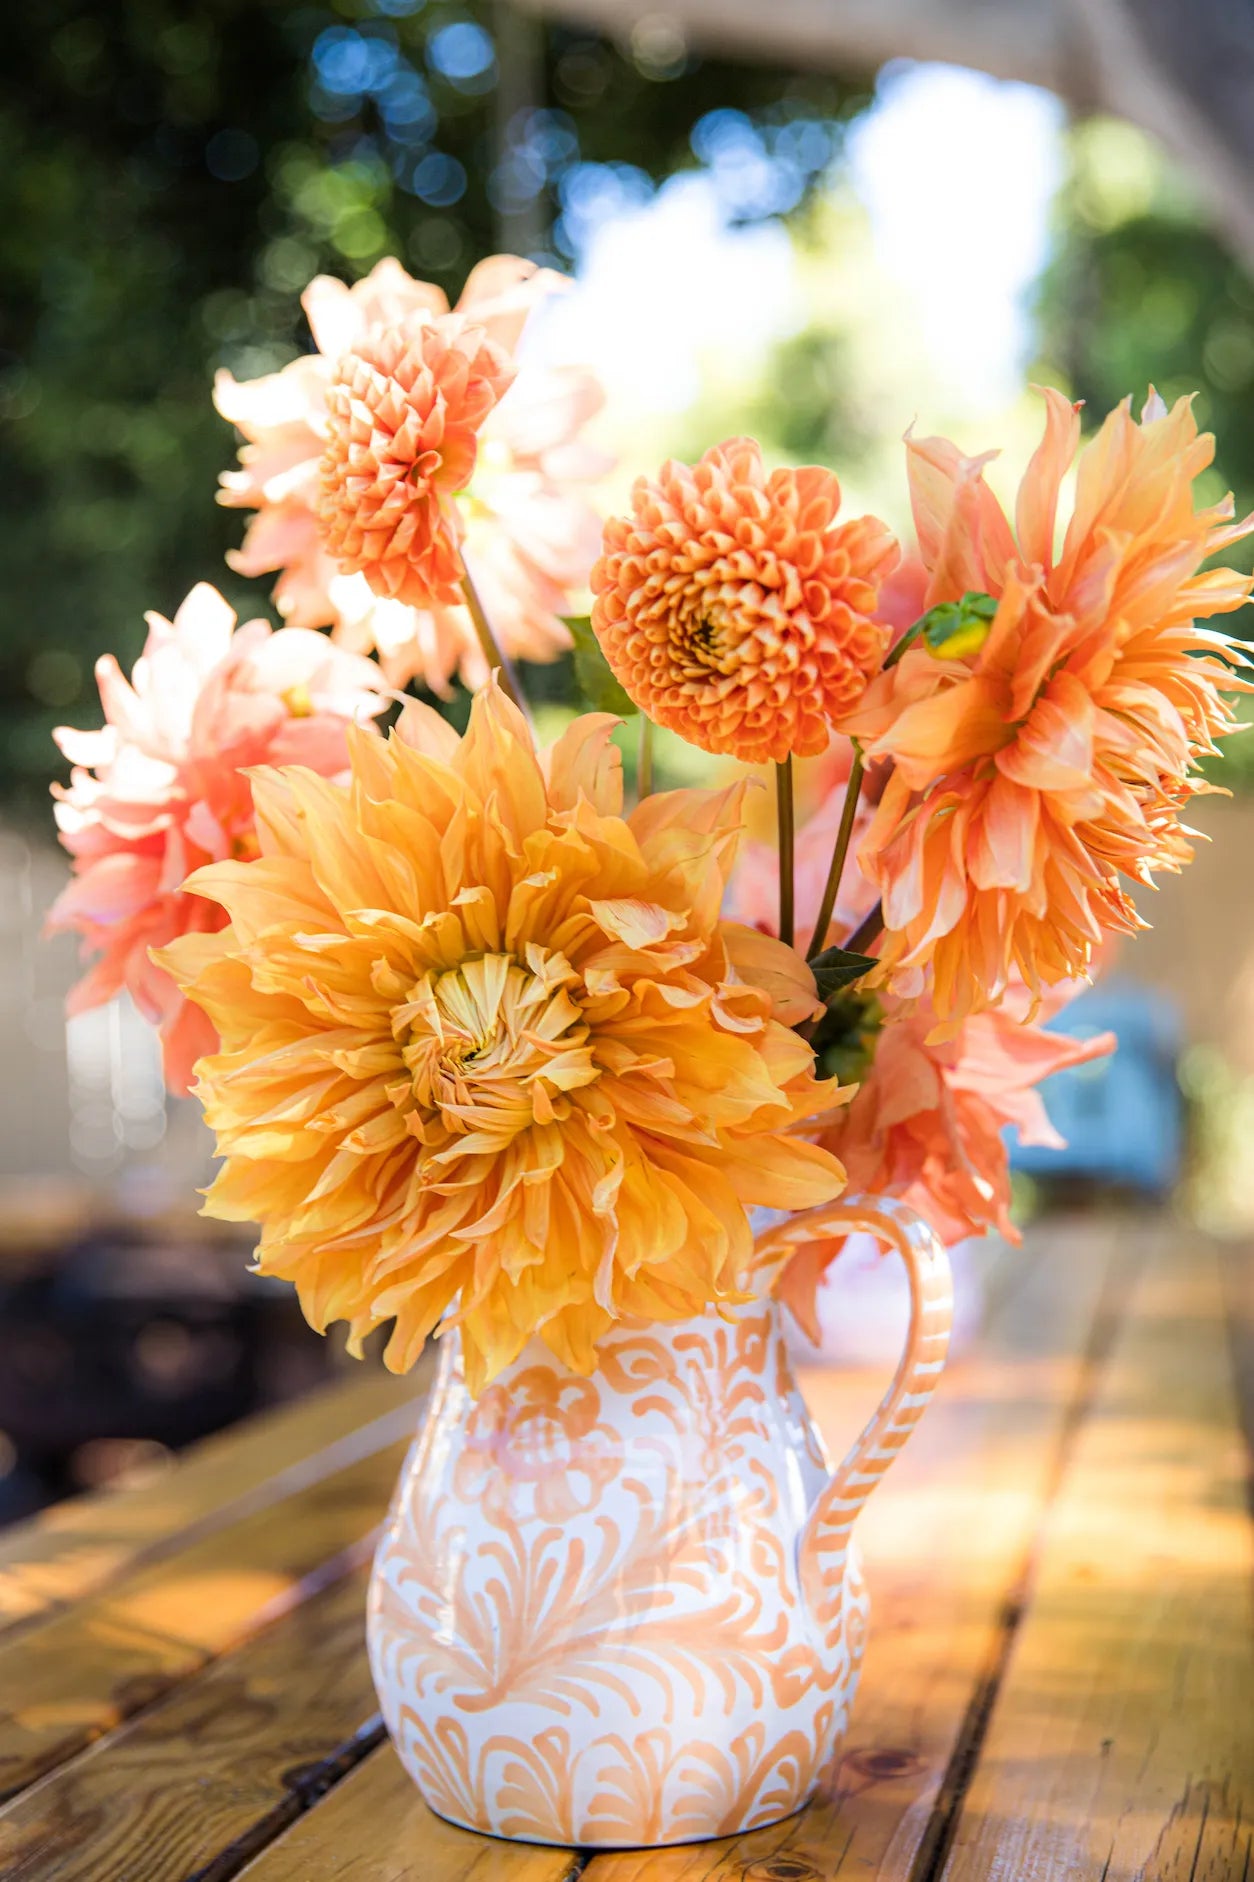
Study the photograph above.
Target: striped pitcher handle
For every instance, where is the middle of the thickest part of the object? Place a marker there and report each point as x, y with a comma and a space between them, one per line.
824, 1543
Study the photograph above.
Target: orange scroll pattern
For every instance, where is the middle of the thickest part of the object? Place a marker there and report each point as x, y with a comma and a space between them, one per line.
627, 1611
586, 1620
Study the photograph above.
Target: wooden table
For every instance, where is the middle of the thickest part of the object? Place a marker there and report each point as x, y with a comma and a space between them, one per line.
1060, 1681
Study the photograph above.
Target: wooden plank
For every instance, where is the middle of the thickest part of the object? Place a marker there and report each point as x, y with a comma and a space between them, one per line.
81, 1545
1122, 1742
215, 1771
946, 1544
79, 1674
1237, 1263
374, 1827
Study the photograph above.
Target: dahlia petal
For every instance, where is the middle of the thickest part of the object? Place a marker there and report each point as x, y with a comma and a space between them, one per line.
584, 762
964, 539
1003, 837
1037, 508
113, 889
289, 399
947, 731
638, 924
779, 971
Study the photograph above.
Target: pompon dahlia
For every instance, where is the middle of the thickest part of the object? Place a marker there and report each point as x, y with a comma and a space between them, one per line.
488, 1049
403, 417
162, 788
1042, 747
530, 534
735, 609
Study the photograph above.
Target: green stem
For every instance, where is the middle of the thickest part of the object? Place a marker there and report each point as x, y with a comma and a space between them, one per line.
493, 652
787, 837
644, 763
852, 793
867, 932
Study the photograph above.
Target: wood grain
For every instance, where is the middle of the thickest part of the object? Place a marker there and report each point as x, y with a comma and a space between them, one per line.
1058, 1683
1121, 1745
946, 1543
374, 1827
1237, 1263
82, 1545
79, 1674
216, 1770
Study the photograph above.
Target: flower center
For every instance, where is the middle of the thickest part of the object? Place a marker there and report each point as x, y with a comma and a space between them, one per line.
493, 1046
700, 644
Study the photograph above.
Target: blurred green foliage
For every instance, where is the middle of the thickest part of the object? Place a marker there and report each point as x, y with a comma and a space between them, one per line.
172, 172
1141, 292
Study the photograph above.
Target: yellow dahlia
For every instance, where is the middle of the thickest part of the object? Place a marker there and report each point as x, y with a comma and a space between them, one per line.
736, 610
489, 1050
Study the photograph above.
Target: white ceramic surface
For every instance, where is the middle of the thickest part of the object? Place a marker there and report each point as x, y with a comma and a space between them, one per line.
626, 1610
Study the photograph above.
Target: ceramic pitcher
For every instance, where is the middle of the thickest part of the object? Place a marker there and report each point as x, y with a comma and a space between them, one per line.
626, 1610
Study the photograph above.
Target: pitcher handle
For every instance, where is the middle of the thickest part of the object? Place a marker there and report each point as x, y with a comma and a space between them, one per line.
824, 1542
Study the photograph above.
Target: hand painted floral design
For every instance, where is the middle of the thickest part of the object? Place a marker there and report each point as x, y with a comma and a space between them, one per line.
540, 1445
669, 1651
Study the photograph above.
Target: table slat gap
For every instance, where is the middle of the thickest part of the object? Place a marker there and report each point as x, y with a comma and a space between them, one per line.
374, 1827
1122, 1742
83, 1673
943, 1544
191, 1789
83, 1546
1127, 1259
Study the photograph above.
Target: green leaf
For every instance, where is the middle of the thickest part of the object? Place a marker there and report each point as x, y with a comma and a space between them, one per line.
837, 968
846, 1037
593, 675
950, 630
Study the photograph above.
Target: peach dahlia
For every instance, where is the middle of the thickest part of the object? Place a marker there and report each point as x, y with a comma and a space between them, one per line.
404, 412
529, 532
1043, 756
163, 787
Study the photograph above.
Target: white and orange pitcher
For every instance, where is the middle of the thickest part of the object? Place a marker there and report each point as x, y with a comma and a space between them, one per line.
626, 1610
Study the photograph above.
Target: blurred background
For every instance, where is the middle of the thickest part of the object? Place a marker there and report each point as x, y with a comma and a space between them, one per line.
816, 221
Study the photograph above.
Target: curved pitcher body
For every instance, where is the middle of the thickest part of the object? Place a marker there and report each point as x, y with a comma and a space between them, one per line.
623, 1610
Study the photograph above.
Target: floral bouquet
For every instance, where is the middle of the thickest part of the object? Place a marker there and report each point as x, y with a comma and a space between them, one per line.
492, 1052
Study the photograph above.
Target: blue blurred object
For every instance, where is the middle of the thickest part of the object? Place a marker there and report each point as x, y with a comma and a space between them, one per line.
1122, 1116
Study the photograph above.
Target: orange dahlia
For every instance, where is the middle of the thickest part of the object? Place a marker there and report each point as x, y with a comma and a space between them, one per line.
734, 608
403, 417
489, 1050
1043, 731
